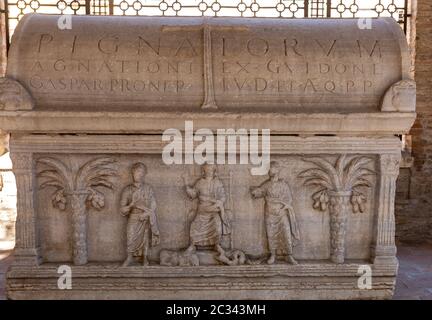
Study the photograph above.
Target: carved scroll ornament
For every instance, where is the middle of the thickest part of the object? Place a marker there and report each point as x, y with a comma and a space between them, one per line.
13, 96
400, 97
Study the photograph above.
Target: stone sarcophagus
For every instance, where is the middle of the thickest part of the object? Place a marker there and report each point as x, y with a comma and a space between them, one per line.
200, 158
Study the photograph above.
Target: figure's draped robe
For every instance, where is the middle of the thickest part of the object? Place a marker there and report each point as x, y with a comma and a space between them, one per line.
139, 231
280, 220
206, 228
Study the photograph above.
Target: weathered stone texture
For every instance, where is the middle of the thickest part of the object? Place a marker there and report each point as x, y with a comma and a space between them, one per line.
105, 201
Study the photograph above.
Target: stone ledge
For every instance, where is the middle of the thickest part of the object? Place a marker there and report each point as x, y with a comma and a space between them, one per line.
114, 270
304, 281
206, 294
151, 123
153, 144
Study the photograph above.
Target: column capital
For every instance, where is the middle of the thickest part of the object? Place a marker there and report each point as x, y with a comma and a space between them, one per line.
389, 164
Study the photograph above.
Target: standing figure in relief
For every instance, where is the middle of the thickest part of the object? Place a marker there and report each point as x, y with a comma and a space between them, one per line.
210, 220
280, 221
139, 204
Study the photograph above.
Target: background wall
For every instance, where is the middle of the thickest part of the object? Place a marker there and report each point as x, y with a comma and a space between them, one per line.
414, 201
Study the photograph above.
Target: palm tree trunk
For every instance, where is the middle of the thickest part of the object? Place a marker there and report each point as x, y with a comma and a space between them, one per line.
338, 207
79, 227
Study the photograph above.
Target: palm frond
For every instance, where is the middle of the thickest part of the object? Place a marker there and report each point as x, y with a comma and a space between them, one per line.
328, 168
102, 176
59, 172
360, 173
361, 182
354, 165
317, 182
94, 169
316, 173
52, 175
100, 181
340, 165
52, 183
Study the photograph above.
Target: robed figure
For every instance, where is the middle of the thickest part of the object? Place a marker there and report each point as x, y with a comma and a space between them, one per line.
139, 204
279, 215
210, 221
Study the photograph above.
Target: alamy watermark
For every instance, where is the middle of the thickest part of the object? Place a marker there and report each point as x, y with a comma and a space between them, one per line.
364, 23
64, 22
227, 146
64, 282
364, 282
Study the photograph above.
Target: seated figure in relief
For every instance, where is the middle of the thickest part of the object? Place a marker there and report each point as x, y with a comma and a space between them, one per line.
279, 216
139, 204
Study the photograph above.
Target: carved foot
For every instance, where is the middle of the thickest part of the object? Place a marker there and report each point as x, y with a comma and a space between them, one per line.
290, 259
272, 259
337, 258
145, 262
127, 262
190, 249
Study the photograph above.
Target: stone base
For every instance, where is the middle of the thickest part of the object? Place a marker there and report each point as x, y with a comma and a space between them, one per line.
281, 281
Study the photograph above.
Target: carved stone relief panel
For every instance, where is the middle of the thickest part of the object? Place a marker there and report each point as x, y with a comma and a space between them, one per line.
76, 188
341, 188
85, 201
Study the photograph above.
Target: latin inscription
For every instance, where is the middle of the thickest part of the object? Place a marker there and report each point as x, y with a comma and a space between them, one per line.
161, 64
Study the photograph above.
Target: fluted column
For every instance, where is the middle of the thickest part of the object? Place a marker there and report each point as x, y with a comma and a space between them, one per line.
26, 247
384, 249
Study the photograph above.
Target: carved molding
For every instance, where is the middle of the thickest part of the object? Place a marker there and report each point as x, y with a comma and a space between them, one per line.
202, 281
142, 144
157, 122
13, 96
400, 97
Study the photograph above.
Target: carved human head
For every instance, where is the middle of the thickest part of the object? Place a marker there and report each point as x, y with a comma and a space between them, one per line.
139, 170
275, 168
208, 170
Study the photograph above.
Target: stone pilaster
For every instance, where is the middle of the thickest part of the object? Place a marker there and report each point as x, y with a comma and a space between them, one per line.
26, 246
384, 249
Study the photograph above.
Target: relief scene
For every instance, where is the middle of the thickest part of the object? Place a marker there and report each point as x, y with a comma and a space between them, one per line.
214, 215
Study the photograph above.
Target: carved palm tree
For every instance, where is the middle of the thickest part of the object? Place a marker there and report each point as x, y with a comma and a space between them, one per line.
79, 189
339, 185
